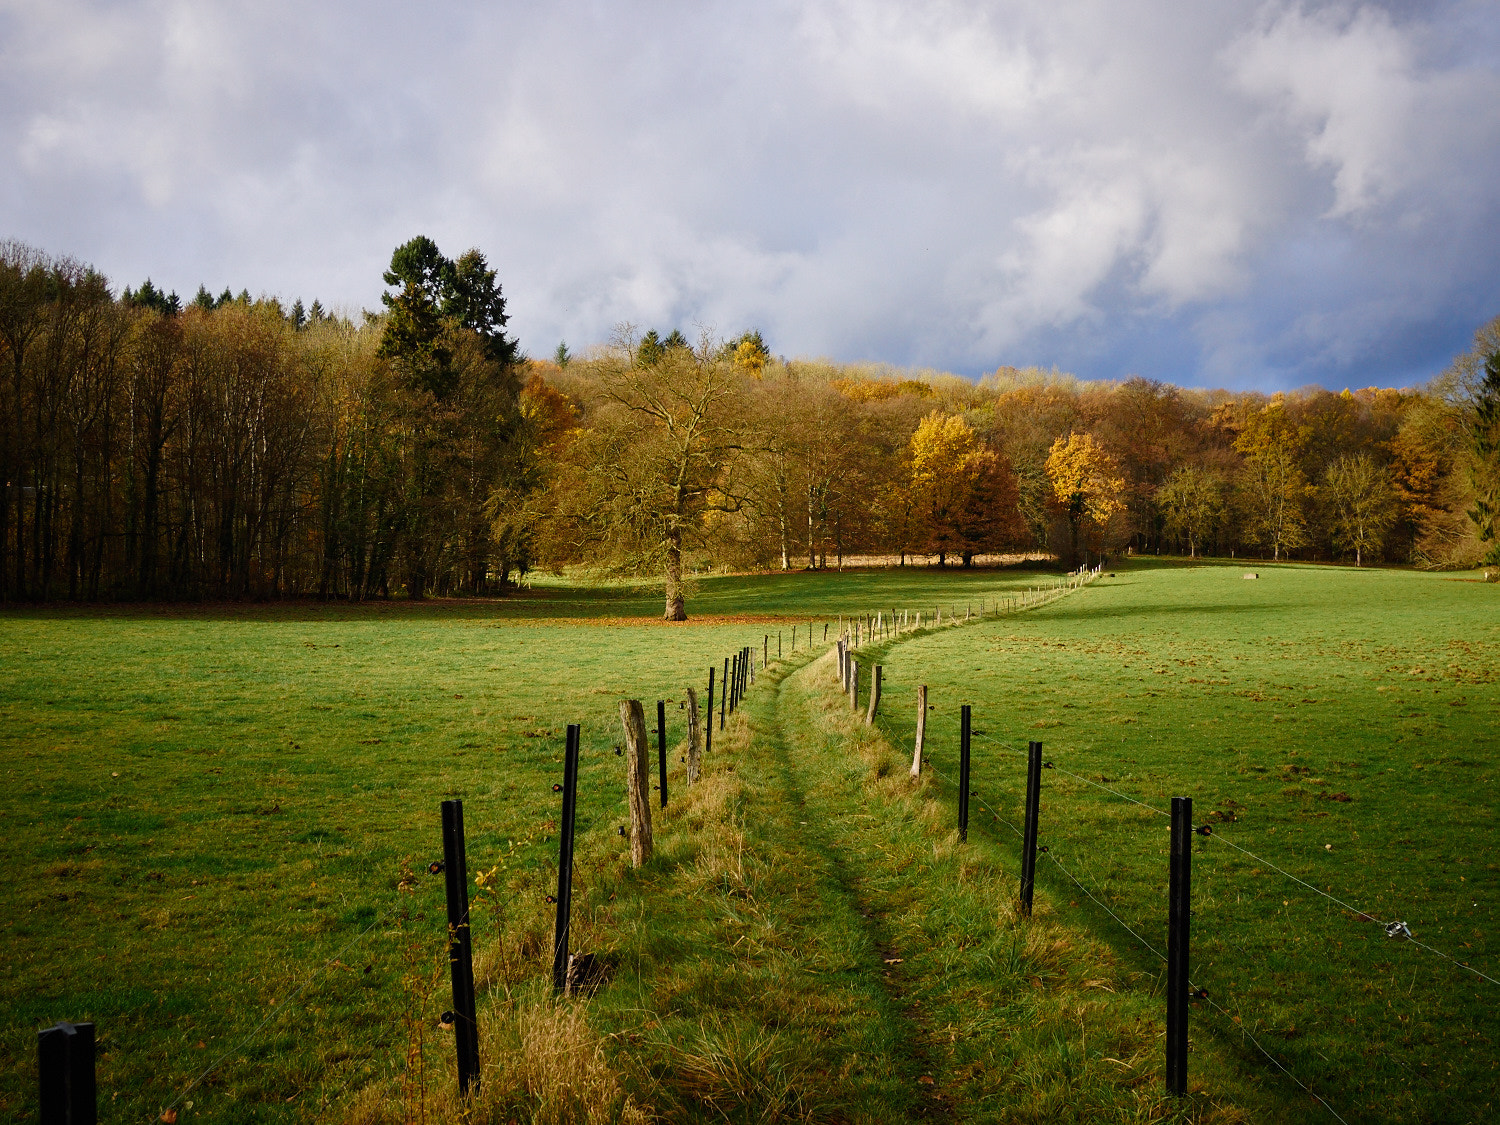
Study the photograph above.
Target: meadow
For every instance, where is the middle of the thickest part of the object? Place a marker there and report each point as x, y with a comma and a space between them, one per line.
207, 809
201, 805
1339, 724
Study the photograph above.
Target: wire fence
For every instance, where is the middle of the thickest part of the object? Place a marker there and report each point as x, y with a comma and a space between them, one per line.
1236, 1024
867, 627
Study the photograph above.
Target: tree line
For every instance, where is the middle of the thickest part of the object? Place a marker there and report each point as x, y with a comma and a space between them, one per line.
683, 456
231, 448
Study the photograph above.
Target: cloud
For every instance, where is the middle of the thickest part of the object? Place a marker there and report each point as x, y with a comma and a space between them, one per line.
1247, 193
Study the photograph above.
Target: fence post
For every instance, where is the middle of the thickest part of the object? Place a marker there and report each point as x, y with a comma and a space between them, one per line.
460, 951
778, 644
734, 679
1179, 909
1028, 839
916, 757
854, 685
875, 675
565, 863
65, 1070
708, 734
963, 774
765, 656
724, 694
661, 746
637, 779
695, 736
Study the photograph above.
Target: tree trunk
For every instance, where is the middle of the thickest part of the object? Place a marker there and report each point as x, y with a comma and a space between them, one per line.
676, 605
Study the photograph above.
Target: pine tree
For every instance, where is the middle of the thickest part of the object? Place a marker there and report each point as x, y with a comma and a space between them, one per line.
1484, 442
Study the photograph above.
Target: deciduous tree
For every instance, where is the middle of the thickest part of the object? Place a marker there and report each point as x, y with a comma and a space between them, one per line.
1086, 483
1272, 485
1358, 493
1191, 502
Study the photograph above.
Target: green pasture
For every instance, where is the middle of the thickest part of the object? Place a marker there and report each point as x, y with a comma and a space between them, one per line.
1342, 725
202, 806
205, 808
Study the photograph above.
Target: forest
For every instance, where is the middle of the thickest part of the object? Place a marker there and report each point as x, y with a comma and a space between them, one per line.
232, 448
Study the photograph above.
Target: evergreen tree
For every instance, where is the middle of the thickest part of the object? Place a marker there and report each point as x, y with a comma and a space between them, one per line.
149, 296
1484, 443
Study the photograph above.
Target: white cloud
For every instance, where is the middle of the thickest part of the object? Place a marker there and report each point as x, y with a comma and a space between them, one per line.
1234, 191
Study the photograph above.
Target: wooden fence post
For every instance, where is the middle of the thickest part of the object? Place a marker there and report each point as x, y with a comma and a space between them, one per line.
637, 780
695, 736
853, 685
916, 757
874, 694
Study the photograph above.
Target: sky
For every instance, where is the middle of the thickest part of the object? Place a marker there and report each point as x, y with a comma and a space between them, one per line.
1237, 194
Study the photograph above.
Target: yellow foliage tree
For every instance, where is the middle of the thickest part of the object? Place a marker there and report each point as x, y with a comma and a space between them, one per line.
1086, 482
963, 498
1272, 485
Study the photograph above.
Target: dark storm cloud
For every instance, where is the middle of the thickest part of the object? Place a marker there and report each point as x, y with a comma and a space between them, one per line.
1245, 194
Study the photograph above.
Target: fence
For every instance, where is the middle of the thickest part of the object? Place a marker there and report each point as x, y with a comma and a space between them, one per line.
66, 1064
1181, 989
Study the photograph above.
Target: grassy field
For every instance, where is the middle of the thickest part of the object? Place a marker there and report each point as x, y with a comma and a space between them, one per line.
203, 808
1342, 725
203, 805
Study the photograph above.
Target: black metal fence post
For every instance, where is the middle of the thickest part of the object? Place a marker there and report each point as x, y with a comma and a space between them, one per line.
963, 774
565, 860
1179, 910
460, 950
661, 746
708, 728
1028, 839
65, 1068
724, 695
